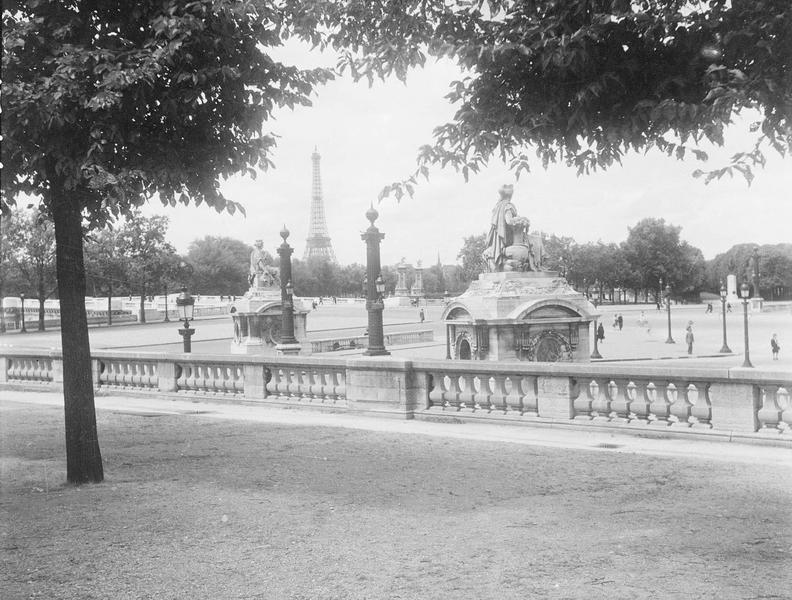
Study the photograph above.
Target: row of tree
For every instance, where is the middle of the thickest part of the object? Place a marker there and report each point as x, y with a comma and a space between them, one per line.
653, 252
136, 258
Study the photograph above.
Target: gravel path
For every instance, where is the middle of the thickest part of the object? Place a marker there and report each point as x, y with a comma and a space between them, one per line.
201, 501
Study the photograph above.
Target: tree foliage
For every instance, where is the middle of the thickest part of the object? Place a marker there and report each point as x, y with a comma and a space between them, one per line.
108, 104
472, 256
220, 265
30, 256
583, 82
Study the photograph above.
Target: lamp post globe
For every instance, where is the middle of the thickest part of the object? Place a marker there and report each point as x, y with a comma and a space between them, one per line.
185, 304
723, 295
745, 291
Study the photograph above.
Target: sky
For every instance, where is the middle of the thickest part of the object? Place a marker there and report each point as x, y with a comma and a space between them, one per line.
369, 137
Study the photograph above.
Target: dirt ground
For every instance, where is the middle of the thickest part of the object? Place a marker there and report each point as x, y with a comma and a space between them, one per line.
199, 507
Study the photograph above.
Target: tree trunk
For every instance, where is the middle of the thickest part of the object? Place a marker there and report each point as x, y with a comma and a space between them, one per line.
42, 296
83, 459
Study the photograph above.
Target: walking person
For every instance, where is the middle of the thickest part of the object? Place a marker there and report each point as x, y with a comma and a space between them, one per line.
600, 332
421, 315
774, 346
689, 337
620, 321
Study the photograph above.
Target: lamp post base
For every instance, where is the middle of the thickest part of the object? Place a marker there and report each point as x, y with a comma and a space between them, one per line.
670, 341
376, 352
187, 333
288, 349
725, 349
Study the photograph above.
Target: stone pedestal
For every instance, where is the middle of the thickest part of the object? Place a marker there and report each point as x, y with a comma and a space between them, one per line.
756, 304
514, 315
257, 324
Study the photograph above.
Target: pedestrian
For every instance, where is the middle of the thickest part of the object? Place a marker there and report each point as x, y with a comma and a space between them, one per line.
600, 332
728, 307
689, 337
615, 321
620, 320
774, 346
421, 315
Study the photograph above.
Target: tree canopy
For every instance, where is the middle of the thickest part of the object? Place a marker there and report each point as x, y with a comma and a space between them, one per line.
583, 82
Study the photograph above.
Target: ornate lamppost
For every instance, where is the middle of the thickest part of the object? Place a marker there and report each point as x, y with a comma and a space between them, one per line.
670, 339
745, 291
186, 307
23, 330
596, 353
167, 318
375, 286
723, 293
288, 343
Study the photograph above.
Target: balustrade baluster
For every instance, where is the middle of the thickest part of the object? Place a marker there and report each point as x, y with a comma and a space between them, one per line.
499, 393
600, 402
483, 396
514, 394
467, 390
293, 389
451, 392
784, 401
582, 404
619, 400
659, 405
769, 414
530, 395
435, 385
316, 377
680, 404
640, 400
701, 405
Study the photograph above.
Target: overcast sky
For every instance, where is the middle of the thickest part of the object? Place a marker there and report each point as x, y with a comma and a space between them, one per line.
369, 137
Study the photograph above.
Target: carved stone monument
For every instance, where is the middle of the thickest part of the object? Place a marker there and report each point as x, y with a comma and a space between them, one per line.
417, 290
517, 310
257, 315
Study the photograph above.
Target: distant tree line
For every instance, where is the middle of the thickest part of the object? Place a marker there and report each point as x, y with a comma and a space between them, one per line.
653, 251
135, 258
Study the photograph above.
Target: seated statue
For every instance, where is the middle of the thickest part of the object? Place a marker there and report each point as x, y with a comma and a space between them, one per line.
509, 245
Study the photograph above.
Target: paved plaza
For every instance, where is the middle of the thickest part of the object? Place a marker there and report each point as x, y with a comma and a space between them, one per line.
633, 342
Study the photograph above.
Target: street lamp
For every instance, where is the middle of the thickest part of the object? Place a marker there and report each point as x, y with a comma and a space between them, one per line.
745, 291
596, 353
167, 318
670, 340
23, 330
374, 303
723, 293
185, 304
288, 343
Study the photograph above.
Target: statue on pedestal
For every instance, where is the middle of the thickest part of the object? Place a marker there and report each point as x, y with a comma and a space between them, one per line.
261, 275
509, 245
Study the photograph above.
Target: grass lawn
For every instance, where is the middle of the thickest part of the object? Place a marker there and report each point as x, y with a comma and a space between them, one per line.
199, 507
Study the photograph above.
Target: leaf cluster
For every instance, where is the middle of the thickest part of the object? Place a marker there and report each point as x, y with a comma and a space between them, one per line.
115, 103
583, 82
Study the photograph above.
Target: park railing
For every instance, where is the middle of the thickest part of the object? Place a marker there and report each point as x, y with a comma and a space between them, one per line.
731, 403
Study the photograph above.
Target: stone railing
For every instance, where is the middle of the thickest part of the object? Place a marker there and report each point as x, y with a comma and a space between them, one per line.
360, 341
725, 403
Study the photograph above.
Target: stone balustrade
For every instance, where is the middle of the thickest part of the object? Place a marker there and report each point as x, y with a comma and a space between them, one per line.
725, 403
360, 341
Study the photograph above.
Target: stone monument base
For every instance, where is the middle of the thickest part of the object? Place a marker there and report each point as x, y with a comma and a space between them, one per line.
257, 324
517, 315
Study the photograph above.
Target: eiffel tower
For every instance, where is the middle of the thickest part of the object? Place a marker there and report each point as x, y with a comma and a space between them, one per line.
318, 241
